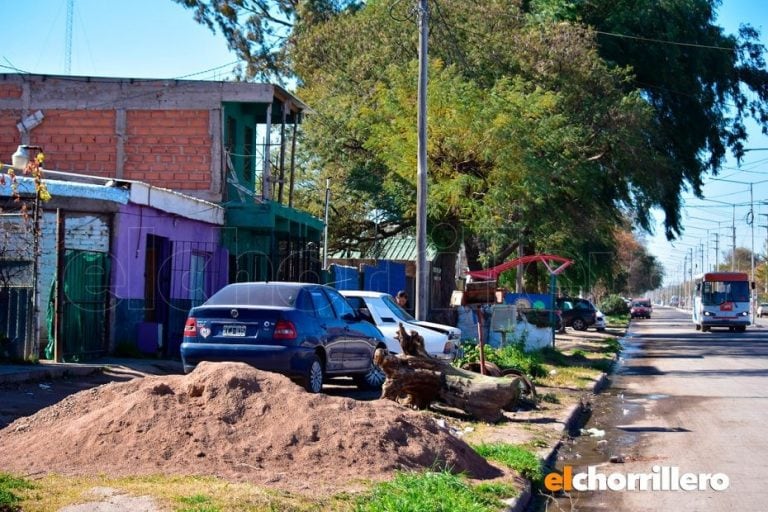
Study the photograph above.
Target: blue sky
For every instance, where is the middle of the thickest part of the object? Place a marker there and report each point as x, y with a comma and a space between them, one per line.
160, 39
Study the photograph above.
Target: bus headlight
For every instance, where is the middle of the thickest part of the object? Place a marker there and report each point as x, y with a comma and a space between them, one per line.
708, 313
745, 313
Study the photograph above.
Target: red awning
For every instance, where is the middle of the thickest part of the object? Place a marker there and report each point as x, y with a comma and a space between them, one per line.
549, 260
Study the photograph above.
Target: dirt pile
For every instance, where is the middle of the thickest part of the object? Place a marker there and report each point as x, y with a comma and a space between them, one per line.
233, 421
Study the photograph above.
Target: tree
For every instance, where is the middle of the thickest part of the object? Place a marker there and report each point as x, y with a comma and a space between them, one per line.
703, 84
739, 260
502, 150
541, 129
259, 31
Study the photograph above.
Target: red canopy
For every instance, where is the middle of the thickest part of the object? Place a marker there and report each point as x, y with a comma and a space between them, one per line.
490, 274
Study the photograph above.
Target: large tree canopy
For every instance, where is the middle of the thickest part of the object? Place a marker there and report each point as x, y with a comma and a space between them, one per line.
550, 121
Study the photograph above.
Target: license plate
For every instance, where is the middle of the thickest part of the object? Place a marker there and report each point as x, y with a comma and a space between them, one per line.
233, 330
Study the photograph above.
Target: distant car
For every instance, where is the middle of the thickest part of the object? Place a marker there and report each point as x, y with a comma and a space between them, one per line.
441, 341
306, 331
599, 321
577, 313
762, 309
641, 308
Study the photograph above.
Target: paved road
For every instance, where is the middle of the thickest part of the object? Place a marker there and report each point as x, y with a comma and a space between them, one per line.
697, 401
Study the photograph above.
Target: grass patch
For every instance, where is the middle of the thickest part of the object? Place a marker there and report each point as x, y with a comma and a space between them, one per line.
177, 493
549, 398
9, 488
521, 460
617, 321
611, 346
509, 356
435, 491
197, 503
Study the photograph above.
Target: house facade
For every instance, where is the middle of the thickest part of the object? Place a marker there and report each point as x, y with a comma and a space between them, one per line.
194, 185
114, 267
228, 143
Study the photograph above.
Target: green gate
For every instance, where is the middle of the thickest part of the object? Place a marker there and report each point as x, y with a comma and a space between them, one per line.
85, 299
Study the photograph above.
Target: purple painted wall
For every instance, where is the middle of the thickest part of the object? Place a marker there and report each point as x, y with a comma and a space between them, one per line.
188, 237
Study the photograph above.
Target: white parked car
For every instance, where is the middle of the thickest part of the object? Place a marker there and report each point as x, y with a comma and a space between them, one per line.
600, 321
441, 341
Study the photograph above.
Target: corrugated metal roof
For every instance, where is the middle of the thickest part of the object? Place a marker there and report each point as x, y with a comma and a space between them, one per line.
399, 249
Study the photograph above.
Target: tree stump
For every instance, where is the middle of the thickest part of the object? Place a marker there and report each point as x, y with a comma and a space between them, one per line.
417, 379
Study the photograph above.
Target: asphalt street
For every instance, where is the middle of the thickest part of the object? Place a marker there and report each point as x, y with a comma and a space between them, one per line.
681, 398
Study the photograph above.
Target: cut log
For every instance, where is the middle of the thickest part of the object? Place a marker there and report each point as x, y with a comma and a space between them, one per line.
417, 379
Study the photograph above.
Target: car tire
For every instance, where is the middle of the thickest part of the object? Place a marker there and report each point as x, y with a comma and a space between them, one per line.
314, 376
579, 324
371, 379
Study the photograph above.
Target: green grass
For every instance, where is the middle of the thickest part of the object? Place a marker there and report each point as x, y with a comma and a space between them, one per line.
512, 456
9, 486
508, 356
197, 503
611, 346
434, 491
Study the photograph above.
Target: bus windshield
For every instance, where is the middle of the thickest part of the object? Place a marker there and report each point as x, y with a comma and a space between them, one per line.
717, 292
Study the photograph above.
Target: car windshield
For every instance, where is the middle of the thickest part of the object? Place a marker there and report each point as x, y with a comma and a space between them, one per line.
718, 292
255, 294
396, 310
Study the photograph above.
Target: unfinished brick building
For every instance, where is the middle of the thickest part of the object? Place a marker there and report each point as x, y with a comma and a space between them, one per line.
226, 142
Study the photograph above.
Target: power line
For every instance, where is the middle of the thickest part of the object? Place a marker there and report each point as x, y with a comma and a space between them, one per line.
665, 41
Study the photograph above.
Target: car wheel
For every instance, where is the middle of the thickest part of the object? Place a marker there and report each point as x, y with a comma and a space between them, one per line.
579, 324
313, 379
371, 379
741, 328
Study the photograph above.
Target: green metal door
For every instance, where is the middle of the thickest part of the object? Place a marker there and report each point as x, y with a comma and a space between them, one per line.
85, 301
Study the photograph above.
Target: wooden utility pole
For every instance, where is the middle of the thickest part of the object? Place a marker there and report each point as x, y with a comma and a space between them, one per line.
422, 272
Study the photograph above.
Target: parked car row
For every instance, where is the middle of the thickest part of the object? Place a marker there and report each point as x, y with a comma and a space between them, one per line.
311, 332
306, 331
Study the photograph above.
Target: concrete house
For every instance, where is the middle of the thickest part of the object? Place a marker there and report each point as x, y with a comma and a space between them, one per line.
119, 265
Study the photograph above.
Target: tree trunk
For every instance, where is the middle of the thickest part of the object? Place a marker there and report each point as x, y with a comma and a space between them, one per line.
415, 378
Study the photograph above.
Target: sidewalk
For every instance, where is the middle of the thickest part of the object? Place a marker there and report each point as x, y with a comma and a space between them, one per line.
47, 370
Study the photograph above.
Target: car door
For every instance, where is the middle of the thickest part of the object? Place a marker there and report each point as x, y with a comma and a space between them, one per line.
358, 346
332, 327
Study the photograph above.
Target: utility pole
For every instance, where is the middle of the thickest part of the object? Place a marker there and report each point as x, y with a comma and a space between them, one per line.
733, 240
422, 275
765, 263
752, 255
717, 251
684, 292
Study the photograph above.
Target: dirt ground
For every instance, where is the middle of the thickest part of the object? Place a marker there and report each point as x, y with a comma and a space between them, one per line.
232, 421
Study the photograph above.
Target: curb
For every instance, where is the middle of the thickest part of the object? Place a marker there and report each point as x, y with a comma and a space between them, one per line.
523, 501
39, 373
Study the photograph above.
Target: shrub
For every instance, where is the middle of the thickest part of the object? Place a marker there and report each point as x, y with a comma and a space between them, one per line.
614, 305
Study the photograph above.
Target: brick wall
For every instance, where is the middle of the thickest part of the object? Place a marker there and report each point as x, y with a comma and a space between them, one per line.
80, 141
166, 148
169, 148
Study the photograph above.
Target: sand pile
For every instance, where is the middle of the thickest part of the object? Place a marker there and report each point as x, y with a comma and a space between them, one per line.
233, 421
